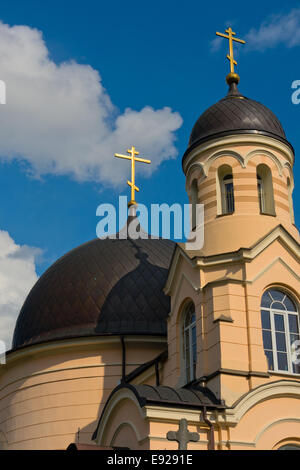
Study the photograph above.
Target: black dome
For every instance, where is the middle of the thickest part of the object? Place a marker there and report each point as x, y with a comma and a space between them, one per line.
236, 114
102, 287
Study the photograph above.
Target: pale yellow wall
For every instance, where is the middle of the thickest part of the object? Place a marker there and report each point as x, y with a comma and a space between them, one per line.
266, 418
270, 421
230, 286
247, 224
243, 255
48, 392
236, 345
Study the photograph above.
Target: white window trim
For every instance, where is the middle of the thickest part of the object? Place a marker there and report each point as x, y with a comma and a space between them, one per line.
287, 333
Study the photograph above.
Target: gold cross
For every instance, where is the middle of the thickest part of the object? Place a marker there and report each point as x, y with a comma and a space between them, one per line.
231, 39
132, 152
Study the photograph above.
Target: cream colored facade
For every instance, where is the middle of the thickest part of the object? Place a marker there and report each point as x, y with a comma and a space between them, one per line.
49, 391
244, 254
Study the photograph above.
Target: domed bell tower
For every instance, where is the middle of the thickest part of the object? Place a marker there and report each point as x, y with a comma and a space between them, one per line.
239, 165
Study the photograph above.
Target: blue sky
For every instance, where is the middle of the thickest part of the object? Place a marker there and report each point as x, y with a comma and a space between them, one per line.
157, 54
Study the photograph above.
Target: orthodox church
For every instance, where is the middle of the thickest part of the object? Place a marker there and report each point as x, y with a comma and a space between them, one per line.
142, 344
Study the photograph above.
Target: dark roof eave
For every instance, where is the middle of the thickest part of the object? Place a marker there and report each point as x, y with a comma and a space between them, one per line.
175, 404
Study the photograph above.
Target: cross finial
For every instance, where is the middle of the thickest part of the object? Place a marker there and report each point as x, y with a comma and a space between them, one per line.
132, 156
232, 77
183, 436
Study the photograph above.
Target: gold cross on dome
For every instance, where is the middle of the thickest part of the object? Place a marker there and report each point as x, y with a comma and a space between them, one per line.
231, 38
132, 156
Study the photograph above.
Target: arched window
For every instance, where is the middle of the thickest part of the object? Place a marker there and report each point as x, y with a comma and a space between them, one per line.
280, 327
265, 190
190, 342
261, 194
225, 190
228, 195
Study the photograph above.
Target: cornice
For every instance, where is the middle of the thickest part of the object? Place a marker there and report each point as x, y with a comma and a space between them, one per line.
241, 256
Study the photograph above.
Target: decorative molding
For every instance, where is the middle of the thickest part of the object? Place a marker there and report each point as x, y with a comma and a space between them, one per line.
179, 252
112, 402
240, 256
266, 153
223, 318
287, 388
291, 173
222, 153
178, 290
195, 166
269, 266
227, 142
248, 254
274, 423
169, 414
72, 344
122, 425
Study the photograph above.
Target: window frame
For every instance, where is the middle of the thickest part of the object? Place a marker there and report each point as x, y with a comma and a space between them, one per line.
287, 333
261, 194
190, 362
227, 180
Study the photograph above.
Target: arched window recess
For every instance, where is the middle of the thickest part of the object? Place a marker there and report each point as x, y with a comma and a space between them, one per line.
190, 342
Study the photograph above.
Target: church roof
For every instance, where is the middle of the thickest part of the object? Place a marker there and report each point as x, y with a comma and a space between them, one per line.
161, 395
236, 114
193, 396
103, 287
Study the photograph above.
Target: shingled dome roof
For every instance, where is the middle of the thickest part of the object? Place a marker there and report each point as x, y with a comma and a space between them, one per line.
236, 114
103, 287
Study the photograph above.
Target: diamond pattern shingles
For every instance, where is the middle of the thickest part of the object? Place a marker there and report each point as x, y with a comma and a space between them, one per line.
236, 113
102, 287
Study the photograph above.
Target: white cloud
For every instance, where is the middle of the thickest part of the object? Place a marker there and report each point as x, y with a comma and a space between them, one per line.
17, 276
275, 30
215, 44
62, 121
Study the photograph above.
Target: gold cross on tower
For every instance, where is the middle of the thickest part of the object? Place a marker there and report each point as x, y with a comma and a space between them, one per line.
132, 156
232, 76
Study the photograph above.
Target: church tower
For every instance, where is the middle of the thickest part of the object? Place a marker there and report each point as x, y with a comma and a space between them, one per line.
231, 379
243, 285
